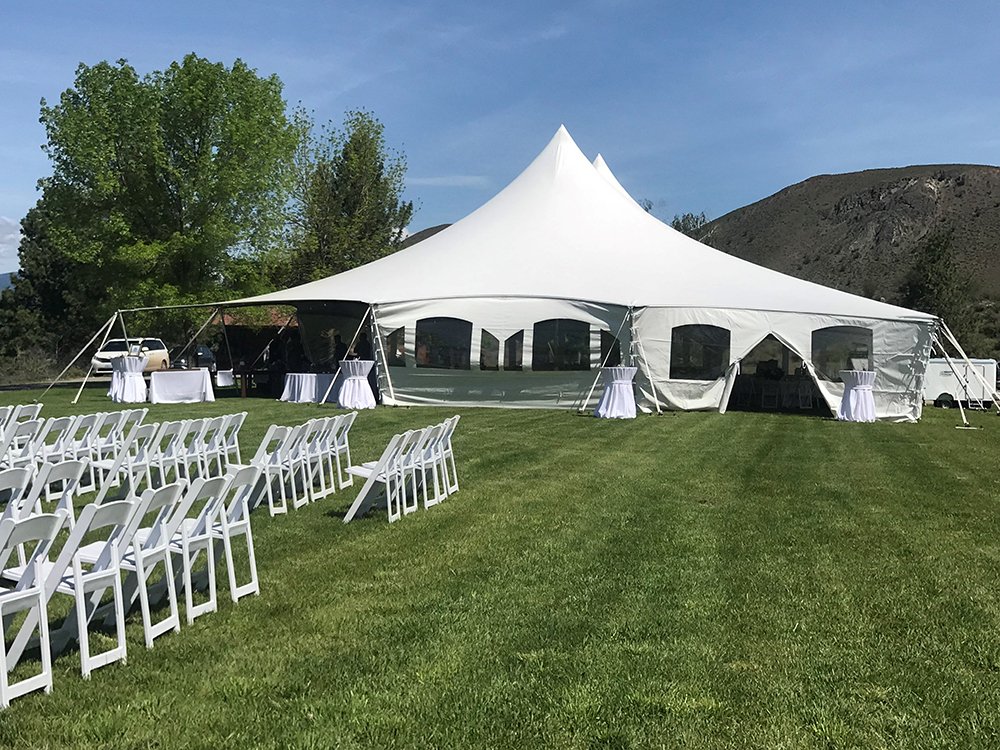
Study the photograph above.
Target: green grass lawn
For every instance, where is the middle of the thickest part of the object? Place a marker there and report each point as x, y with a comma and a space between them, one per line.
688, 580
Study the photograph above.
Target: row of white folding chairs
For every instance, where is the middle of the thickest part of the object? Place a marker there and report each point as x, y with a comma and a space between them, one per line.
305, 463
93, 437
134, 536
415, 465
159, 452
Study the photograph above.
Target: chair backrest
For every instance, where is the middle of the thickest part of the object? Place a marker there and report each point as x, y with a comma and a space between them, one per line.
232, 430
290, 446
409, 450
212, 438
239, 492
20, 438
25, 412
5, 414
13, 486
55, 436
202, 503
37, 532
276, 434
109, 518
154, 513
66, 475
345, 427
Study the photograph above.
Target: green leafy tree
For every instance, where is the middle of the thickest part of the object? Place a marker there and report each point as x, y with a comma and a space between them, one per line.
162, 187
347, 208
693, 225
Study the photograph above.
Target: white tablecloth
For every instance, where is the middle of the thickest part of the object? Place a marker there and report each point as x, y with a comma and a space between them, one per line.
858, 404
180, 386
355, 393
618, 399
127, 385
308, 387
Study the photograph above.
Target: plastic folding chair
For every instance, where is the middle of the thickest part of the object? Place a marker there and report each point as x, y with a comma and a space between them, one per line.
234, 522
380, 480
28, 596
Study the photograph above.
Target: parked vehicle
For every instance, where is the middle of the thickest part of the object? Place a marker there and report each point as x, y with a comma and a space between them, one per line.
198, 355
154, 349
943, 388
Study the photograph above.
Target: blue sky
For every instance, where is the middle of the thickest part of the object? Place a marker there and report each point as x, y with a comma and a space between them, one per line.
697, 106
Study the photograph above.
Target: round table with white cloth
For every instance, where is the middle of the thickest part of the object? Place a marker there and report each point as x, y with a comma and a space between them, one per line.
180, 386
858, 403
127, 385
355, 393
618, 399
307, 387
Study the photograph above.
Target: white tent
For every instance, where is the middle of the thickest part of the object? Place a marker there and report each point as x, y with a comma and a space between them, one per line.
521, 302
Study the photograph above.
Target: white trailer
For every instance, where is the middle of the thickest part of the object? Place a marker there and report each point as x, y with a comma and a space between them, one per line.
943, 388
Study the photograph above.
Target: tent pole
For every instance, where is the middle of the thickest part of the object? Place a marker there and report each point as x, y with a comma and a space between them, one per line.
121, 319
951, 364
275, 336
645, 362
225, 337
604, 362
203, 327
349, 347
106, 328
990, 387
385, 360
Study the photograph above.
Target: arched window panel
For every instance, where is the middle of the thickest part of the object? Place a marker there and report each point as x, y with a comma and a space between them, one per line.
443, 343
561, 344
611, 350
513, 352
489, 351
699, 352
395, 348
841, 348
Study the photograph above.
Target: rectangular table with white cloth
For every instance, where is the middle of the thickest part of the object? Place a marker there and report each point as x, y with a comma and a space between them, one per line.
127, 385
858, 403
618, 398
308, 387
180, 386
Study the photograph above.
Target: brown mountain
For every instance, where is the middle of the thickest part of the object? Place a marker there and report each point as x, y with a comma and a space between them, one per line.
859, 231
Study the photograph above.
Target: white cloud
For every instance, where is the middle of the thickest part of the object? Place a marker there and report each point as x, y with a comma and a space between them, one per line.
10, 237
451, 180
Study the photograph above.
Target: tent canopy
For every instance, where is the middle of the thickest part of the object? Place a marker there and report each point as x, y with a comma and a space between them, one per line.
566, 229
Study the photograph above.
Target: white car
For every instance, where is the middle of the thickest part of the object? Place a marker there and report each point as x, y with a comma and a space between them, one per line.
156, 350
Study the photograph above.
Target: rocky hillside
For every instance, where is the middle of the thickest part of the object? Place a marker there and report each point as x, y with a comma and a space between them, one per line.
858, 231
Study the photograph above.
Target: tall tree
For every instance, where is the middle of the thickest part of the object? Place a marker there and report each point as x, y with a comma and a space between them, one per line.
161, 186
347, 208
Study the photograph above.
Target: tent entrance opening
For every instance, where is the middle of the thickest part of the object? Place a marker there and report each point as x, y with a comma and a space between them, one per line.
773, 378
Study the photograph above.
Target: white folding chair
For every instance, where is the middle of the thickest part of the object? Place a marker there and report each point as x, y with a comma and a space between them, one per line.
143, 545
267, 459
212, 449
234, 521
231, 438
67, 575
380, 480
341, 448
28, 596
448, 454
26, 412
311, 460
